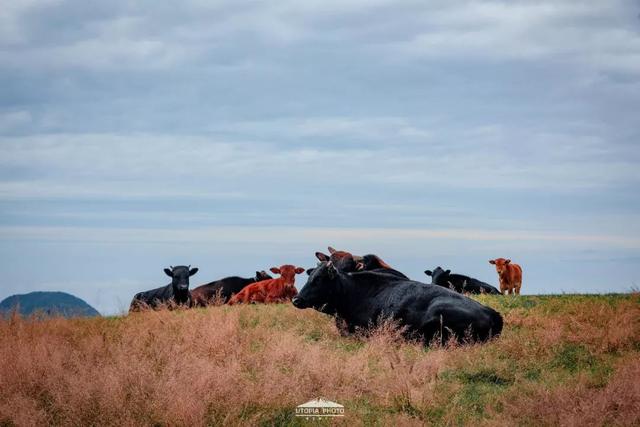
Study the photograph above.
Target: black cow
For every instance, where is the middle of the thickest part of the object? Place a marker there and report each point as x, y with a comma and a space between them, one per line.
459, 282
225, 288
177, 292
346, 262
374, 263
362, 299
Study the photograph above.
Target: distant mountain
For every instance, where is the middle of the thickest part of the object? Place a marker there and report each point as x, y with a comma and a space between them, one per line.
48, 303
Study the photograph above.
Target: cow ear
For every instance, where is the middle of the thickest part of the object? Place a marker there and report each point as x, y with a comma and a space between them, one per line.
322, 257
492, 262
331, 250
193, 271
507, 261
359, 266
299, 270
428, 272
309, 271
275, 270
447, 272
168, 272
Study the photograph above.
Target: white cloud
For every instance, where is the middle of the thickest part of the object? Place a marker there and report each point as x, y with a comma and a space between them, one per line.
14, 120
569, 32
592, 35
259, 235
93, 166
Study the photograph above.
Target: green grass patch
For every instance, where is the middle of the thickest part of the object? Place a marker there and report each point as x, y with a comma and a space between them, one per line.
573, 358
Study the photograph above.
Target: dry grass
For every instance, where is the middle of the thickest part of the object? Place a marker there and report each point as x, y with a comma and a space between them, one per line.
568, 360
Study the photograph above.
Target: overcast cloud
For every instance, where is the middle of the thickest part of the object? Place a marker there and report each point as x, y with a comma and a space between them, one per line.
237, 135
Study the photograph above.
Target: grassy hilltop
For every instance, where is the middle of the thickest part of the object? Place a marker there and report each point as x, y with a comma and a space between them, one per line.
570, 359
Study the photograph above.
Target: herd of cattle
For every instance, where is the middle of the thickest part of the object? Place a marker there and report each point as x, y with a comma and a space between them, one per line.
359, 291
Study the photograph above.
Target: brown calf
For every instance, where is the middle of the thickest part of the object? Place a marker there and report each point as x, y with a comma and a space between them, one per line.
510, 275
280, 289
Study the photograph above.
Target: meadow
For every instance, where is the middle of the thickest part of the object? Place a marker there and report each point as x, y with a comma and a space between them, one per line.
561, 360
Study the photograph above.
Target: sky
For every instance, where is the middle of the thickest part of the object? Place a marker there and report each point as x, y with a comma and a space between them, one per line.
240, 135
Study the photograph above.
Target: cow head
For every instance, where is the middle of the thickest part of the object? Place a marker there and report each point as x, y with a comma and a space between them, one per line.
501, 265
342, 260
180, 277
439, 276
372, 262
288, 272
320, 290
262, 275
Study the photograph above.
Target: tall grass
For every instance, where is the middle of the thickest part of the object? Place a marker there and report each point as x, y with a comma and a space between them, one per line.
568, 360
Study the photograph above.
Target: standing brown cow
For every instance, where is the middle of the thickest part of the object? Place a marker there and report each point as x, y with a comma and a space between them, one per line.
510, 275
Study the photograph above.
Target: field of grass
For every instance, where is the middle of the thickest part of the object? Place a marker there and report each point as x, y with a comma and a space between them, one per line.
561, 360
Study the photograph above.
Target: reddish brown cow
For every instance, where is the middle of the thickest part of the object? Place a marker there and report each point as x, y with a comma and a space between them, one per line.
347, 262
510, 275
280, 289
342, 258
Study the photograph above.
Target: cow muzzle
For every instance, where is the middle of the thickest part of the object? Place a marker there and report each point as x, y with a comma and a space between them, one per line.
298, 302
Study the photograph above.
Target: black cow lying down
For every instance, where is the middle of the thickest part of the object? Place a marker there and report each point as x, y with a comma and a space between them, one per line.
177, 292
362, 299
459, 282
347, 262
224, 288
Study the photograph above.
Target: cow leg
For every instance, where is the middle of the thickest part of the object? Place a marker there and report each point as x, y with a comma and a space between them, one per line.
504, 290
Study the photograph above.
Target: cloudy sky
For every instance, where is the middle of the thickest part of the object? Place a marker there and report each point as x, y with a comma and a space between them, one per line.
238, 135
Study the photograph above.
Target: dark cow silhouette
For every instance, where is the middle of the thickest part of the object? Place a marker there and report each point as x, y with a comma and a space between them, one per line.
224, 288
459, 282
347, 262
372, 262
177, 292
362, 299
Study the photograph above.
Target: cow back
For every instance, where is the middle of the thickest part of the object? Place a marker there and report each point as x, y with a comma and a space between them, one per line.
223, 288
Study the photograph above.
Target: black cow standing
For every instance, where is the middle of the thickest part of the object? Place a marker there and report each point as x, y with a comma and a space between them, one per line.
362, 299
177, 292
460, 283
224, 288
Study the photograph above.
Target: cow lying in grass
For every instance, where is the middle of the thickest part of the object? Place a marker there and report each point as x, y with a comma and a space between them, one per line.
175, 293
347, 262
222, 290
510, 275
460, 283
363, 299
280, 289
